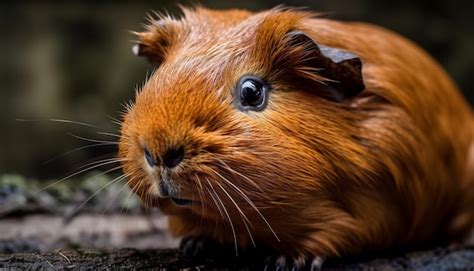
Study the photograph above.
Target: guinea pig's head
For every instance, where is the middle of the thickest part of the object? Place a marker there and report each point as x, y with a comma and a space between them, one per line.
244, 112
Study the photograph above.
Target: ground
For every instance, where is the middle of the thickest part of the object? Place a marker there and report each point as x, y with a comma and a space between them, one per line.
52, 228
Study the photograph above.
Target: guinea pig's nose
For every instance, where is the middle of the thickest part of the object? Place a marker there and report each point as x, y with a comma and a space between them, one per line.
173, 157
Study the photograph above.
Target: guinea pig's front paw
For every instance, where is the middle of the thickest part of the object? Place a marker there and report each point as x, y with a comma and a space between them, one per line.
284, 263
200, 247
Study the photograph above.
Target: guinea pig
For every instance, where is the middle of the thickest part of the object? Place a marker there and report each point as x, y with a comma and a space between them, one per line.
311, 137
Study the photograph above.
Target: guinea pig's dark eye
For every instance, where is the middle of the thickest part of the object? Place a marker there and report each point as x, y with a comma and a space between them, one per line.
252, 93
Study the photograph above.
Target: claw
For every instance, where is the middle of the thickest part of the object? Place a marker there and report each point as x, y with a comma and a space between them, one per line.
188, 247
268, 263
195, 246
199, 247
183, 243
317, 264
281, 264
298, 263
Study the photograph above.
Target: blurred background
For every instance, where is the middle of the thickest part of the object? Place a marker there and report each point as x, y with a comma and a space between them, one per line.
73, 61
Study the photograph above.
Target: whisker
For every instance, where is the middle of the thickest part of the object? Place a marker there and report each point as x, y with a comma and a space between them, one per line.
116, 195
218, 208
114, 120
132, 191
250, 202
234, 202
111, 134
241, 175
121, 177
77, 149
242, 215
74, 122
101, 161
59, 120
200, 192
92, 140
217, 205
79, 172
228, 217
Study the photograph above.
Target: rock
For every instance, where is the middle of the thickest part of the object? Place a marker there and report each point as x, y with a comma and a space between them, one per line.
45, 232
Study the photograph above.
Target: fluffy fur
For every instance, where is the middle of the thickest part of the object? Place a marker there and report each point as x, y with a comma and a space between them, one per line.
307, 176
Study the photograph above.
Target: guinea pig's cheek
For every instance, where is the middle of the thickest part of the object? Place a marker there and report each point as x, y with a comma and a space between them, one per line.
148, 169
153, 188
151, 173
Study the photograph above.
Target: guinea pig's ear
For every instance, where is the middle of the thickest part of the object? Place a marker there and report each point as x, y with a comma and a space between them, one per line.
341, 70
154, 42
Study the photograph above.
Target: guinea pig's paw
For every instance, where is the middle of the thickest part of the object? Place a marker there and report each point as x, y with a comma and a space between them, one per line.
284, 263
199, 246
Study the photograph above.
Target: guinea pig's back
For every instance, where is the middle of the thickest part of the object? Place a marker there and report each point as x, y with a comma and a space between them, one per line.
409, 95
396, 69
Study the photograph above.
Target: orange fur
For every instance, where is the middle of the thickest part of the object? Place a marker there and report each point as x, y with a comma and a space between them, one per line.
384, 169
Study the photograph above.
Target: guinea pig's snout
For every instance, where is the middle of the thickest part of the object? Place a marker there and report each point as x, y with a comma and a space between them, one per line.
162, 163
171, 157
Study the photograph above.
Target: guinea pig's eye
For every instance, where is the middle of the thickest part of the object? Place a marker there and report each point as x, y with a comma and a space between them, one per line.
252, 93
149, 157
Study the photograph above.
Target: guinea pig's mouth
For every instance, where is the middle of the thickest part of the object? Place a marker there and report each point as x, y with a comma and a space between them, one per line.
181, 202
